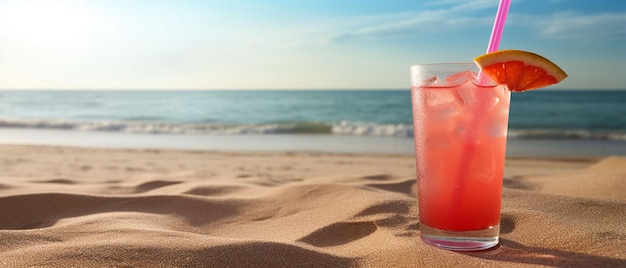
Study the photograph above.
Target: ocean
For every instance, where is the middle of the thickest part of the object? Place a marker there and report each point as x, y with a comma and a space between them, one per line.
370, 115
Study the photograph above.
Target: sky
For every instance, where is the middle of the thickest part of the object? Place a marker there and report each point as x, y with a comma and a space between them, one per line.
286, 44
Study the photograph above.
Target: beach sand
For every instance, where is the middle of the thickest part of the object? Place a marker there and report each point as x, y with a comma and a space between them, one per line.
88, 207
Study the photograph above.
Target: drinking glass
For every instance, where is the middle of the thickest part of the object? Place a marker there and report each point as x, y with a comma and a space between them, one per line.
460, 119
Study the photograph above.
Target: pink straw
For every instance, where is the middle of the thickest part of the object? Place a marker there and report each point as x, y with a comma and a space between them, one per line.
498, 25
494, 42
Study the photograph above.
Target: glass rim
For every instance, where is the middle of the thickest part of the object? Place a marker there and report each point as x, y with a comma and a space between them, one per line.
422, 72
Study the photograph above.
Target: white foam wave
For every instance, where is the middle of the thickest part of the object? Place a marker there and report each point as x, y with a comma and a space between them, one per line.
371, 129
340, 128
568, 134
144, 127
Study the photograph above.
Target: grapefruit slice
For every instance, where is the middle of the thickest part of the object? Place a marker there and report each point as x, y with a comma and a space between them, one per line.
520, 70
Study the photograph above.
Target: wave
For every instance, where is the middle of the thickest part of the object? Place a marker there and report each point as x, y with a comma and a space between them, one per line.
568, 134
341, 128
338, 128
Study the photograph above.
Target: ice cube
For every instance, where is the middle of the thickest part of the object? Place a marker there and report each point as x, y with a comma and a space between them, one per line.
459, 132
464, 134
440, 104
482, 165
497, 128
498, 120
436, 97
497, 97
445, 112
491, 102
433, 81
460, 78
484, 98
465, 96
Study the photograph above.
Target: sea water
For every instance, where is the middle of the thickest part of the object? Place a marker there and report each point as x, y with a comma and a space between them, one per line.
373, 115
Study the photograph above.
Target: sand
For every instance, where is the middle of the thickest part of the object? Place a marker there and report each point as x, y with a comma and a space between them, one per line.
86, 207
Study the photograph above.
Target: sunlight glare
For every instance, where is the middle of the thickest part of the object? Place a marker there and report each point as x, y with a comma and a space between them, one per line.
47, 23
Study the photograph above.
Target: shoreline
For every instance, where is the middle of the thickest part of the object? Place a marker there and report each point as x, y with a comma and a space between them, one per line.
73, 164
292, 143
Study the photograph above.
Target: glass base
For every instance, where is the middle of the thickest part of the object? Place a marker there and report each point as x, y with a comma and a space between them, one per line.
461, 240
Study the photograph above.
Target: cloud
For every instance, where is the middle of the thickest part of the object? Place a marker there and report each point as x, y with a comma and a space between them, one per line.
412, 27
455, 16
464, 4
586, 27
576, 26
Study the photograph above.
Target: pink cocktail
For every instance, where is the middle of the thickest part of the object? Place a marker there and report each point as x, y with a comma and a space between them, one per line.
460, 142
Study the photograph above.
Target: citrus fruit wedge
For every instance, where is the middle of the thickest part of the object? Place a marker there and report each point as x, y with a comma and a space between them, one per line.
520, 70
